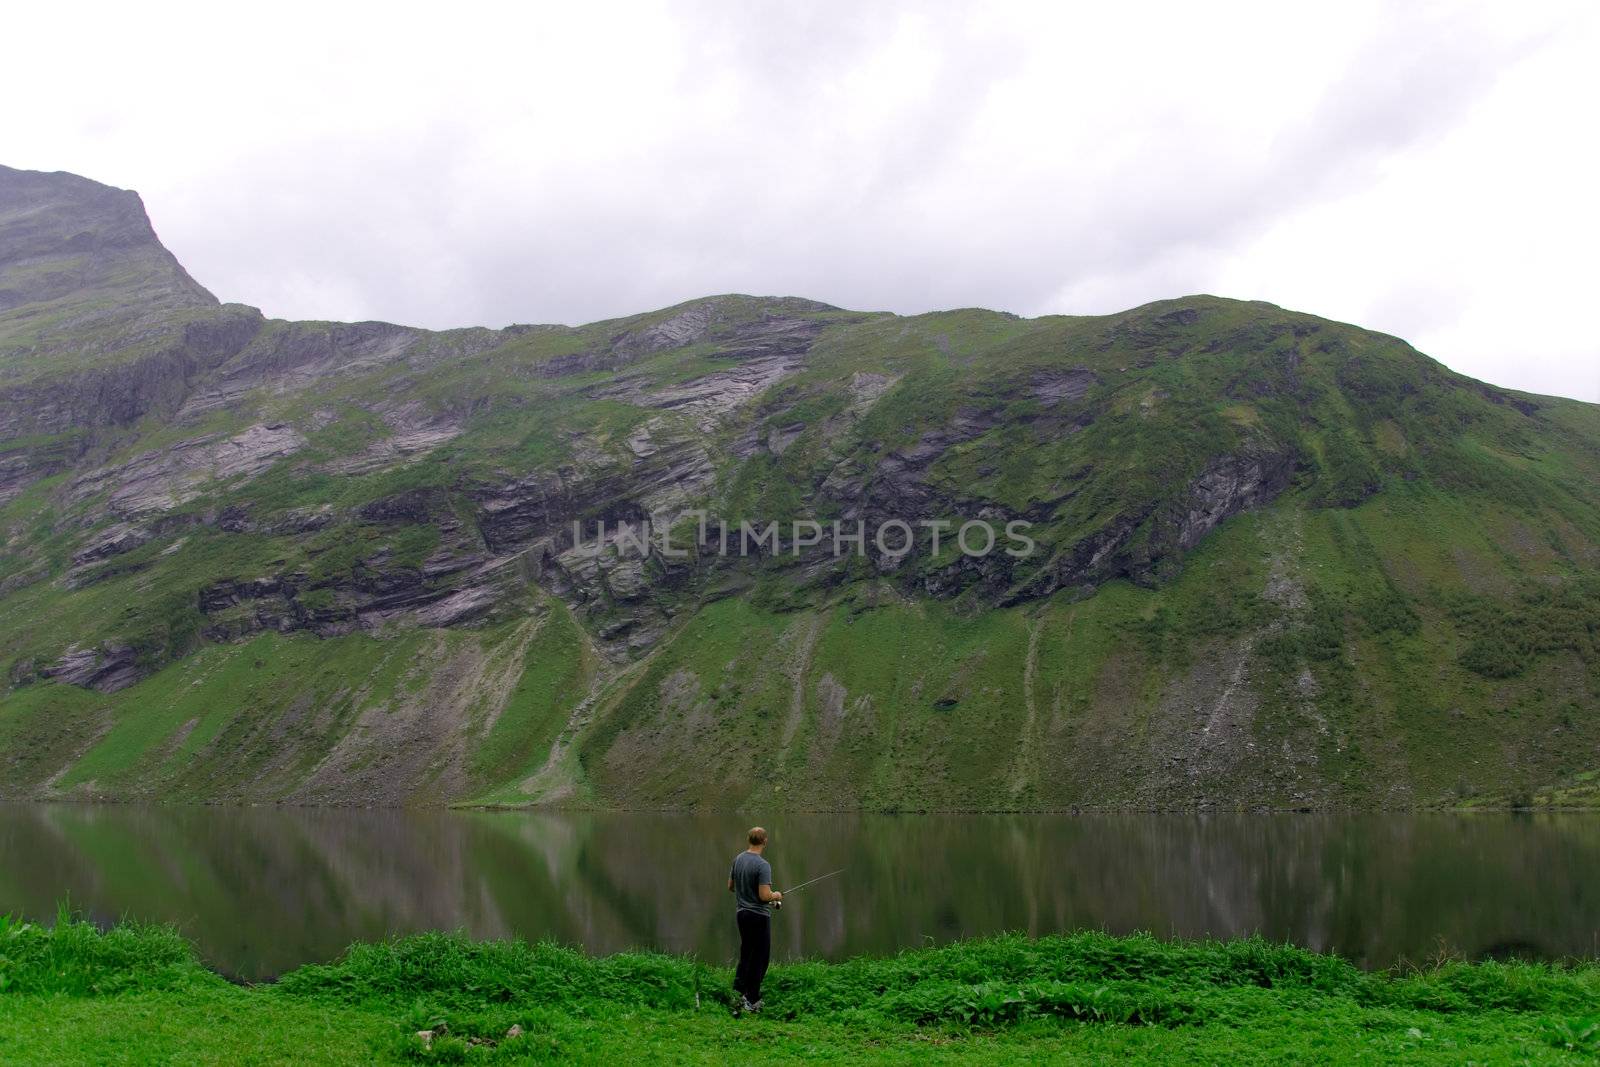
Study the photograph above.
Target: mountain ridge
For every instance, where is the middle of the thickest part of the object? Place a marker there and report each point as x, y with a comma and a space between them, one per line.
253, 559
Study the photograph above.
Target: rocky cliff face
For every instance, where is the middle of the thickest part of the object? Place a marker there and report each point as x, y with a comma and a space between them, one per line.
192, 491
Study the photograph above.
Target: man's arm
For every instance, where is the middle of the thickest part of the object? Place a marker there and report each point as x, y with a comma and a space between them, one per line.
730, 885
767, 893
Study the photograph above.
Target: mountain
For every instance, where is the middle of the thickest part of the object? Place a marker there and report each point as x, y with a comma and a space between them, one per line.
1277, 561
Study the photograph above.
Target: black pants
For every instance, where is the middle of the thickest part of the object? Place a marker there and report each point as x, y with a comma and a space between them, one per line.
755, 948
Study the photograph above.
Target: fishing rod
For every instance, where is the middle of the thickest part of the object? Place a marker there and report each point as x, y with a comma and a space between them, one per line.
802, 885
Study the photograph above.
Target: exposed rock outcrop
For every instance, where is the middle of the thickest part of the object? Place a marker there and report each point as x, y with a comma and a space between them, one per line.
105, 669
162, 479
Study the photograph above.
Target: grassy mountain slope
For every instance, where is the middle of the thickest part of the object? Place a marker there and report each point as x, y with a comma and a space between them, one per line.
1281, 561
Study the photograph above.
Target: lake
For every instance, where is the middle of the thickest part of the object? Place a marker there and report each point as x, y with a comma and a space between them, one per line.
262, 890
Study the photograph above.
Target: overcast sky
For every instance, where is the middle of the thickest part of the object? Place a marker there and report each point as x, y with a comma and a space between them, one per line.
1430, 171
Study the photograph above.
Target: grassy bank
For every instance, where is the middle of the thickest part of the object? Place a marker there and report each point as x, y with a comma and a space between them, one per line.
136, 994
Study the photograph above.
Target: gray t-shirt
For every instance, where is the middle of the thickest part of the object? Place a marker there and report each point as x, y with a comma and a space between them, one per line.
749, 873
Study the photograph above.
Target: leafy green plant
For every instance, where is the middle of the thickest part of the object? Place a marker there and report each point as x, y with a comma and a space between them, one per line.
443, 998
1580, 1034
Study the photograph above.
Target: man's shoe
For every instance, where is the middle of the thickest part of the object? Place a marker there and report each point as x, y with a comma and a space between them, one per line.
752, 1008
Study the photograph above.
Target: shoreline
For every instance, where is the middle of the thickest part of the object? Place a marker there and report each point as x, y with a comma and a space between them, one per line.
73, 993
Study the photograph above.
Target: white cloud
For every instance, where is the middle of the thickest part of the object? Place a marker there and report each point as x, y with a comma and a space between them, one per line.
1425, 170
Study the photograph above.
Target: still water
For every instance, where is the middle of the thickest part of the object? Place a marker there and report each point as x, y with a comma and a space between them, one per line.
262, 890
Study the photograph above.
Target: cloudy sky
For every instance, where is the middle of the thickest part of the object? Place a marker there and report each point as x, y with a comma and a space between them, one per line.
1428, 170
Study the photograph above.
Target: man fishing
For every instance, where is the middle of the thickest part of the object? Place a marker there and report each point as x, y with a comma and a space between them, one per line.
750, 882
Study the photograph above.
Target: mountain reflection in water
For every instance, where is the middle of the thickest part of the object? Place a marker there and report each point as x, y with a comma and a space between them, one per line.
262, 890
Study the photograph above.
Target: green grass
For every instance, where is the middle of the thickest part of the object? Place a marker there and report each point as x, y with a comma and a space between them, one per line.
137, 994
557, 668
194, 729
